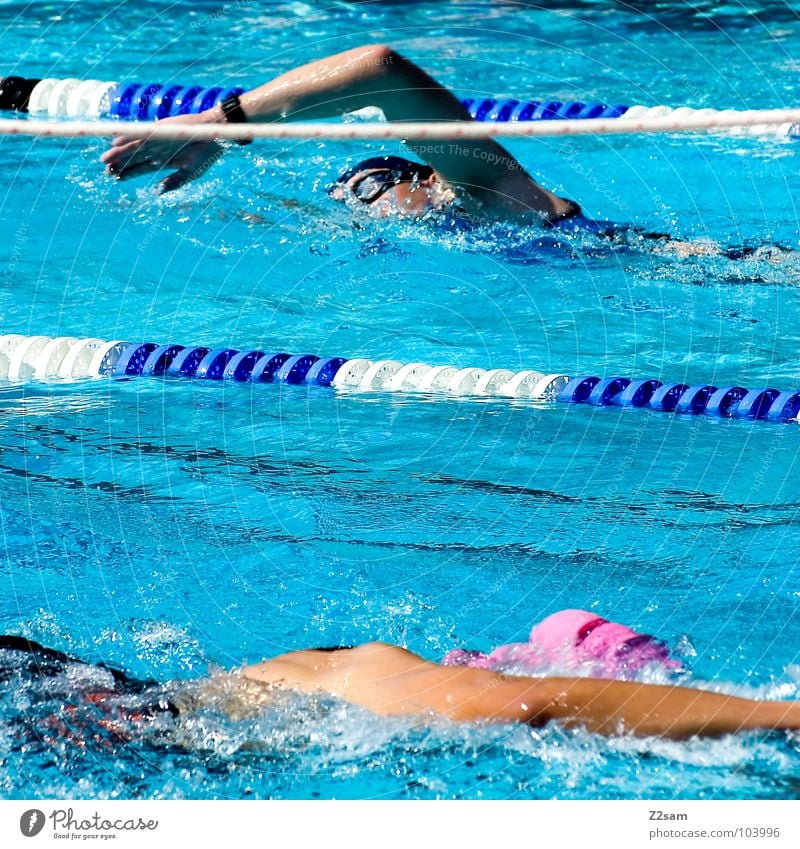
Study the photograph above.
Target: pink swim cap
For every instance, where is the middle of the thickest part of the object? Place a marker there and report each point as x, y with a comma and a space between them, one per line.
557, 635
575, 639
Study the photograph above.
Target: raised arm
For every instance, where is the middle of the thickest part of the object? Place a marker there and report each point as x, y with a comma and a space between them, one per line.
374, 75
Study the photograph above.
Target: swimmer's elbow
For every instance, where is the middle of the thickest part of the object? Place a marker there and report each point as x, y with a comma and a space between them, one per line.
381, 57
380, 51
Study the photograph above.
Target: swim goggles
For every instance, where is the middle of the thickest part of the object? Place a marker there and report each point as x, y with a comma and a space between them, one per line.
375, 176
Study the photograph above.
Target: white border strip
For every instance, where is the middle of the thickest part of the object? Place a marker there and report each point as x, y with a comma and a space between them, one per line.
468, 824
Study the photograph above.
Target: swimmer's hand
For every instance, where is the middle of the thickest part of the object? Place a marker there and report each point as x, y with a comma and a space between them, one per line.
687, 249
773, 254
129, 157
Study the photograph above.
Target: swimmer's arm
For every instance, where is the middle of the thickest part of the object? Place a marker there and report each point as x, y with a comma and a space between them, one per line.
620, 707
391, 680
374, 75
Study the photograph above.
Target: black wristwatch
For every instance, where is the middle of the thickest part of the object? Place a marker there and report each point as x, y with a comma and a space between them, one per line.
234, 114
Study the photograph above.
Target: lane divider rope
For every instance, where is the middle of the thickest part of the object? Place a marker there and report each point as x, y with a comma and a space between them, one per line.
75, 99
73, 358
405, 131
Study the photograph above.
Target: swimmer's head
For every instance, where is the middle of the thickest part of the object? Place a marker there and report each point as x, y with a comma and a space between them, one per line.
575, 639
391, 184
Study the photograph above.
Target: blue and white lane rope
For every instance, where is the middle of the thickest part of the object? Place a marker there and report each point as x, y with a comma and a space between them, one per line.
73, 358
74, 98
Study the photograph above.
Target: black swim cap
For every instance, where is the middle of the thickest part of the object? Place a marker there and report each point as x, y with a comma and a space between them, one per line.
385, 172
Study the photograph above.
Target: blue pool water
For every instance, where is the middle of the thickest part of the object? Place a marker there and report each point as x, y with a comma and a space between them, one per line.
171, 527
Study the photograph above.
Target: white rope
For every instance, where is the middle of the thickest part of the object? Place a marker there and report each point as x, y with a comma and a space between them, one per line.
781, 130
72, 358
71, 98
416, 131
392, 376
62, 357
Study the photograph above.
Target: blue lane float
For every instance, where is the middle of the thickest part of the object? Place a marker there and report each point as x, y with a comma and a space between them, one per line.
511, 109
728, 402
152, 101
71, 358
132, 100
638, 393
160, 360
665, 398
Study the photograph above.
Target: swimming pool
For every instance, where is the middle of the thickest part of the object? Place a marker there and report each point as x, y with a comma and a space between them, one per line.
171, 526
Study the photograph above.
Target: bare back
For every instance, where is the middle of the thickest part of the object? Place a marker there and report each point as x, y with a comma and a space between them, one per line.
388, 679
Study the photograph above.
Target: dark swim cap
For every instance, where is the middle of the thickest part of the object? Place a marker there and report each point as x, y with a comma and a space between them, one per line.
385, 173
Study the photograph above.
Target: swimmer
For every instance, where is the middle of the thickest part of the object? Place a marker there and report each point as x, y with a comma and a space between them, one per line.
387, 679
478, 180
480, 173
390, 680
